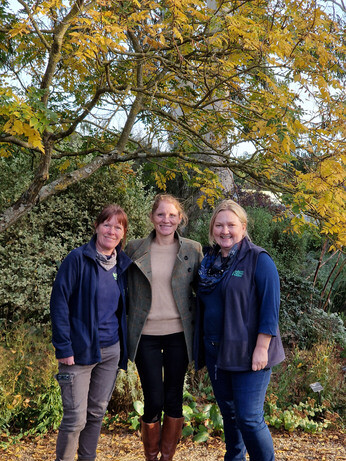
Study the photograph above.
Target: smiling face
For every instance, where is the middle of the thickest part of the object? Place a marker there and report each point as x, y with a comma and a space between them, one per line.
166, 219
109, 234
228, 230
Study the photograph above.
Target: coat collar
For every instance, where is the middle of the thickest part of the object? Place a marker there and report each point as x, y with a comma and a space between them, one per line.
247, 246
144, 246
123, 261
244, 248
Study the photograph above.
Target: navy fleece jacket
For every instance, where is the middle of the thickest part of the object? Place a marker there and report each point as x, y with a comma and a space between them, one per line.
74, 310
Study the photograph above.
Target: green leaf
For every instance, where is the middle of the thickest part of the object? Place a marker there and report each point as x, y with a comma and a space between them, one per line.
187, 431
216, 417
201, 436
139, 407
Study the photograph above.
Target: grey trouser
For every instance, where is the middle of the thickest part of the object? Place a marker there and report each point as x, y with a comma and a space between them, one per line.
86, 391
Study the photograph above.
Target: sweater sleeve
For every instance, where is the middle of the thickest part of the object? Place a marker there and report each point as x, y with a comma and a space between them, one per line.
268, 290
62, 291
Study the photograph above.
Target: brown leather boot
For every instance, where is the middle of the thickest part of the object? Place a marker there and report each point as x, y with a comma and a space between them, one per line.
171, 432
151, 434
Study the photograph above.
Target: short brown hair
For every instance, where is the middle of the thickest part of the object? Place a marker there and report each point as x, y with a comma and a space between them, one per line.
113, 210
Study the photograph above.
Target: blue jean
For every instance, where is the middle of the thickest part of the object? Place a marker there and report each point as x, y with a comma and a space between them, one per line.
86, 391
240, 396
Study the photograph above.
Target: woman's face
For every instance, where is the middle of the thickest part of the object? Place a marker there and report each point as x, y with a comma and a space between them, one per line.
228, 230
109, 233
166, 219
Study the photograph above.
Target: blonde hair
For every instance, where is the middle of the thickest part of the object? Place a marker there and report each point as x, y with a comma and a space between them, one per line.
174, 201
228, 205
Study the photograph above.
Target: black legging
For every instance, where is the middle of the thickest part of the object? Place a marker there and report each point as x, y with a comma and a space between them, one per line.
162, 363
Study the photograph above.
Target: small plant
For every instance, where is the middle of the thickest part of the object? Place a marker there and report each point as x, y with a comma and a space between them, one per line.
307, 416
135, 415
202, 420
131, 419
110, 421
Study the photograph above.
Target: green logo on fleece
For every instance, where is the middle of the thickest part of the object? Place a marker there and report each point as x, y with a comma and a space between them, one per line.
115, 275
237, 273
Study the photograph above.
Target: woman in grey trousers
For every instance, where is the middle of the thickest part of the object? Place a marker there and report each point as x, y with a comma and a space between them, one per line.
88, 311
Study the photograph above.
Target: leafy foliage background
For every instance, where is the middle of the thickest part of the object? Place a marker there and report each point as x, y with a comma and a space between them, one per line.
32, 250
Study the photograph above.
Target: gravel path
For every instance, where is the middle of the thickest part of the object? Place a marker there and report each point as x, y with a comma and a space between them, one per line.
121, 445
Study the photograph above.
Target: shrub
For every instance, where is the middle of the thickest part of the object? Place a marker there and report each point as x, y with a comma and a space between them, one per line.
127, 390
257, 199
291, 380
287, 249
301, 322
199, 229
31, 251
309, 417
30, 400
30, 397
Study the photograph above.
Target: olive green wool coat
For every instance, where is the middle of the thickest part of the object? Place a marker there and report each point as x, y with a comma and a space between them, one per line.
184, 275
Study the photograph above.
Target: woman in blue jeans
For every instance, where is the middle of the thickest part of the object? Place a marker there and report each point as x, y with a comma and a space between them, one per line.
237, 333
88, 311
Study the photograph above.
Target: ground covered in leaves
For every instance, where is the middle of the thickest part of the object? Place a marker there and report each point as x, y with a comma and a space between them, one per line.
121, 445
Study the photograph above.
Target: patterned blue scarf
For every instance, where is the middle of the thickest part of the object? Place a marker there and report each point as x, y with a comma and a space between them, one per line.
214, 267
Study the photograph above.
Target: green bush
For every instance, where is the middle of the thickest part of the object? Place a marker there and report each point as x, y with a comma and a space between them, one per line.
302, 323
16, 173
287, 249
291, 379
199, 229
308, 417
29, 395
32, 250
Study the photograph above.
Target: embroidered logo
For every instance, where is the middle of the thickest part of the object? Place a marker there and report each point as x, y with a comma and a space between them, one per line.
237, 273
115, 276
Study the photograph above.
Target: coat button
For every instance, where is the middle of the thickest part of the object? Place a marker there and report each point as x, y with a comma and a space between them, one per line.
186, 258
189, 269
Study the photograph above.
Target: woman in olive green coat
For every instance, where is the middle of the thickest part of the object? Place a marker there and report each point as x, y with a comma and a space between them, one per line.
160, 322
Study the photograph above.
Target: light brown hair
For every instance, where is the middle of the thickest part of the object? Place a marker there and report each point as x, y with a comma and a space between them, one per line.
174, 201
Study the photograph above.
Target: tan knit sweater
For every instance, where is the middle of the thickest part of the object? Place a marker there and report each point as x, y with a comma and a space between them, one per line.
164, 317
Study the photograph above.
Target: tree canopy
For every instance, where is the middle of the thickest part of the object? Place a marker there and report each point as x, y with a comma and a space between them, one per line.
252, 86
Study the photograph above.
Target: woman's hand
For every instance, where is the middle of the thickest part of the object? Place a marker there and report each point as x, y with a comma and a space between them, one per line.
67, 360
260, 354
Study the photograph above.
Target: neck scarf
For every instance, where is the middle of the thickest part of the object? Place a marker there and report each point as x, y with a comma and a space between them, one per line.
214, 267
107, 262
